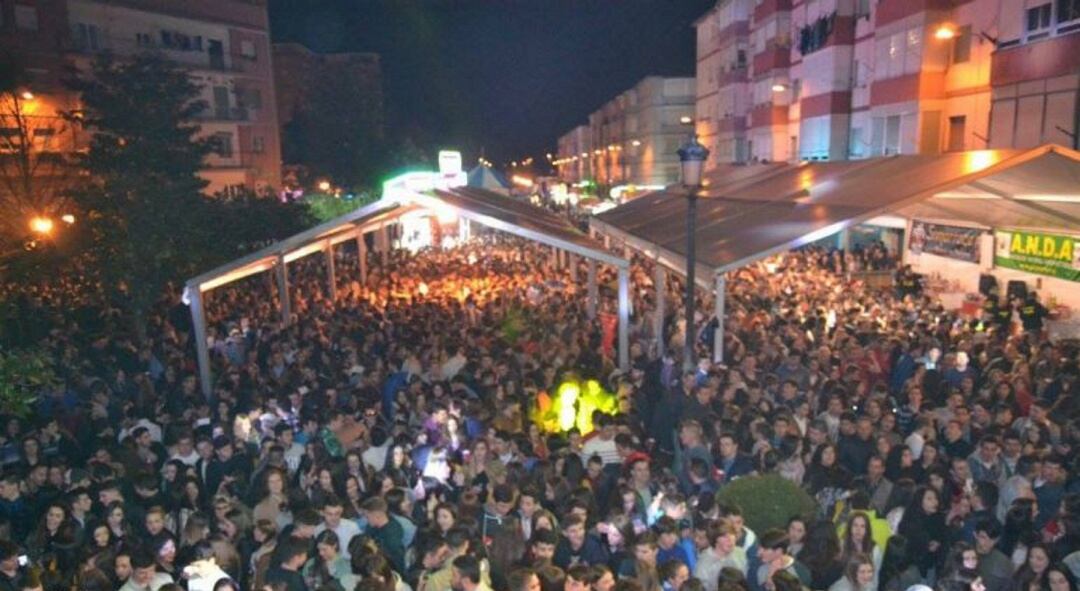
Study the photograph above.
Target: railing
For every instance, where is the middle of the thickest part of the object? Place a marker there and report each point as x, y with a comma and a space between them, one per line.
198, 59
224, 114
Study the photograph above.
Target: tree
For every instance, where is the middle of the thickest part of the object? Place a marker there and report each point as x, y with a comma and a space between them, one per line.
23, 376
148, 222
35, 168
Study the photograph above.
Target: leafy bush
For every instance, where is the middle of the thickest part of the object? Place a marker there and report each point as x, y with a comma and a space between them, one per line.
23, 376
767, 501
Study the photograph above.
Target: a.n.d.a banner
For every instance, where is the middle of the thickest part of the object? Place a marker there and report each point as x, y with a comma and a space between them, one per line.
1053, 255
954, 242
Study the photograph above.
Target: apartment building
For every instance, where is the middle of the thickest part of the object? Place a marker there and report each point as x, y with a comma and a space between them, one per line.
297, 69
633, 138
575, 148
224, 43
840, 79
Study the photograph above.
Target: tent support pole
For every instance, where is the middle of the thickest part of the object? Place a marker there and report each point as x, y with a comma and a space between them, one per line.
198, 321
624, 319
658, 322
361, 253
283, 290
718, 337
590, 302
331, 271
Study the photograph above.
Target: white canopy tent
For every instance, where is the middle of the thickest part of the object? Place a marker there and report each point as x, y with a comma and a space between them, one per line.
747, 213
419, 191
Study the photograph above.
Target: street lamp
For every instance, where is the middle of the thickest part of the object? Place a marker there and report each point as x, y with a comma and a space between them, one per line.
692, 158
41, 225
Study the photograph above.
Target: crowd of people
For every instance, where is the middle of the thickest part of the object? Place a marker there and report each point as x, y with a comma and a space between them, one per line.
383, 439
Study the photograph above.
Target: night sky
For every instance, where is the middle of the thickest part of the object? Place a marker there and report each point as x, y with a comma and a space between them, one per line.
505, 77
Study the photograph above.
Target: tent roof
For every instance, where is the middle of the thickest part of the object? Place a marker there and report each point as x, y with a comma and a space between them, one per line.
486, 178
480, 205
747, 214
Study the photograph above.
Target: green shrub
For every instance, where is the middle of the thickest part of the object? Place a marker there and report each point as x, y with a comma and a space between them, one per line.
767, 501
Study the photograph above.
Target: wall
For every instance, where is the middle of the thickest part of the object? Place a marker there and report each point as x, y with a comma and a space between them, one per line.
967, 274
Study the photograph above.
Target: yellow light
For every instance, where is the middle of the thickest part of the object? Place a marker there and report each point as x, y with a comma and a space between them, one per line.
778, 88
584, 154
67, 218
324, 185
27, 95
635, 143
423, 289
522, 180
977, 160
598, 152
41, 225
945, 32
686, 120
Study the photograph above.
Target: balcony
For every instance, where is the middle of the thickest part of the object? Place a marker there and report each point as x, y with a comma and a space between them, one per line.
227, 114
196, 59
774, 57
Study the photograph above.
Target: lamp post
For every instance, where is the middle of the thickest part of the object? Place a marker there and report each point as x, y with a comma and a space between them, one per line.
692, 159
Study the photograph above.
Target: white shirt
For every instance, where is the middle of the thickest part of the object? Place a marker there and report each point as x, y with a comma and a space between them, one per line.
188, 460
605, 449
346, 531
375, 456
159, 581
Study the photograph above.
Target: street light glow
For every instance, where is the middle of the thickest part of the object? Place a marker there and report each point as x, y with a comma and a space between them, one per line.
27, 95
779, 87
324, 186
41, 225
67, 218
686, 120
945, 32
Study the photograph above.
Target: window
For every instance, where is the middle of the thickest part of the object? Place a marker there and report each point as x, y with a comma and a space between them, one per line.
221, 144
855, 143
1068, 13
86, 36
740, 58
863, 9
250, 98
1038, 21
144, 40
962, 45
247, 49
26, 17
957, 131
892, 135
258, 144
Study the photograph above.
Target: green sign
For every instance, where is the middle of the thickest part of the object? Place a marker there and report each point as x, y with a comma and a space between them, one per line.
1043, 254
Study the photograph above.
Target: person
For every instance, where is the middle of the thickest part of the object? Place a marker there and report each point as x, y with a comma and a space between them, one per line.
328, 566
523, 579
578, 547
291, 556
386, 532
858, 575
466, 575
772, 552
924, 527
673, 574
994, 567
203, 574
720, 554
144, 574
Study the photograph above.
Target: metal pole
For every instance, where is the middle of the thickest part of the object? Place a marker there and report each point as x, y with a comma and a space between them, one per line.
572, 261
689, 362
283, 290
361, 249
718, 338
624, 318
590, 302
198, 320
658, 321
331, 271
